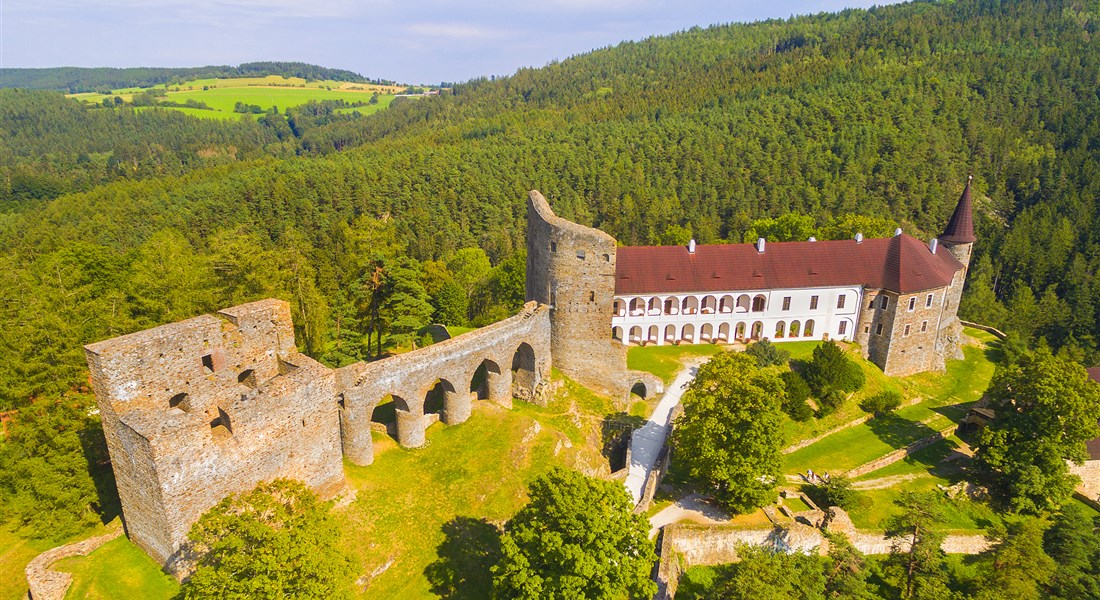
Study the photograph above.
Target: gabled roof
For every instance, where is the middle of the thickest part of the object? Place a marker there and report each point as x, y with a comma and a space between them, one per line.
902, 264
960, 229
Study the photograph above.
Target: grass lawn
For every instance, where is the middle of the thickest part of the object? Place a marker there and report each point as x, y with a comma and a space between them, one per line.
961, 515
201, 113
665, 361
118, 569
15, 553
796, 504
946, 399
415, 506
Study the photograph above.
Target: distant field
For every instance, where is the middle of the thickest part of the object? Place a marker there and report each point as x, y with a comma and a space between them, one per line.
223, 94
201, 113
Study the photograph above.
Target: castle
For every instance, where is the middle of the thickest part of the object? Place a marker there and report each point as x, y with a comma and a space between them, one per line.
200, 409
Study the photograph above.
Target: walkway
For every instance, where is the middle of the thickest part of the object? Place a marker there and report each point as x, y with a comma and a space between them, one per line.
647, 441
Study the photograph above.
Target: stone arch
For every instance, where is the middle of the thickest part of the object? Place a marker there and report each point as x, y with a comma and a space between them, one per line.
743, 303
709, 305
670, 333
759, 302
654, 335
524, 375
757, 330
690, 305
672, 305
725, 305
780, 330
724, 332
483, 379
706, 332
809, 329
442, 398
619, 307
795, 329
639, 389
635, 335
739, 332
687, 334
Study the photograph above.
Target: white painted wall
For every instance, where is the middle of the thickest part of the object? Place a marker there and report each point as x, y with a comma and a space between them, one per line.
690, 326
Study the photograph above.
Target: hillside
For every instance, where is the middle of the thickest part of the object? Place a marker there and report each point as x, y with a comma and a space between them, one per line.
101, 79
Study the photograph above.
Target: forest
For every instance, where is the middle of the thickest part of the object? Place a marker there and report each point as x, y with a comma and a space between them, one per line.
74, 80
375, 226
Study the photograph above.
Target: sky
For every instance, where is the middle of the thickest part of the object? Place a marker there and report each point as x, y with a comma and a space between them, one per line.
410, 41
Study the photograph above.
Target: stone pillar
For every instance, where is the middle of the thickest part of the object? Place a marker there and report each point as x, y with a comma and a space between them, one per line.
355, 434
456, 407
500, 388
410, 429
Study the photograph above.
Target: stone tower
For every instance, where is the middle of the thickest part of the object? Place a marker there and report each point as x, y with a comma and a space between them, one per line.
958, 238
572, 268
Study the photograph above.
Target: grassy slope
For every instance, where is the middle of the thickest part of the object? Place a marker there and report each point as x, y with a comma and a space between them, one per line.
15, 553
665, 361
118, 569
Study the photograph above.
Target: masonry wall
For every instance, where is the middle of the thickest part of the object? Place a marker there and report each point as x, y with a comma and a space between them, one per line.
197, 410
572, 268
875, 342
914, 334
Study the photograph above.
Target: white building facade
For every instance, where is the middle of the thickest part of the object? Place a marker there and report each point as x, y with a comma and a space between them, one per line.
737, 316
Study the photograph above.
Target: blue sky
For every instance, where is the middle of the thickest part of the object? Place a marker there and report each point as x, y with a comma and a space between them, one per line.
413, 41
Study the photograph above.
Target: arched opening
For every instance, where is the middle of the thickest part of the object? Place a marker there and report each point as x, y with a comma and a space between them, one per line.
780, 329
654, 307
385, 412
636, 335
436, 399
725, 305
481, 384
757, 330
670, 333
639, 390
739, 333
706, 332
758, 303
795, 327
809, 331
637, 307
690, 305
743, 302
688, 333
523, 372
654, 334
181, 401
710, 305
672, 306
619, 308
724, 332
617, 333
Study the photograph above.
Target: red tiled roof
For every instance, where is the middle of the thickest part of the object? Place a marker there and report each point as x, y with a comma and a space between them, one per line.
960, 229
1094, 373
1093, 446
901, 264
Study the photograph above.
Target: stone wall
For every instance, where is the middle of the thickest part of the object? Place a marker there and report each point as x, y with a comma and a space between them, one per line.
572, 268
1089, 488
47, 584
515, 353
197, 410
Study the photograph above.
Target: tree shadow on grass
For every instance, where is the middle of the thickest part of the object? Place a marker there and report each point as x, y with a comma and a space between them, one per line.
898, 432
470, 547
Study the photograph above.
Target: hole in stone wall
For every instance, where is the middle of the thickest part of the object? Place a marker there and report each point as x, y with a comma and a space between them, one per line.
208, 363
181, 401
553, 246
580, 254
221, 426
340, 400
607, 258
247, 377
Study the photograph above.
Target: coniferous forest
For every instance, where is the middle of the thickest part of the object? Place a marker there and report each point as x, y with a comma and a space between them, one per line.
113, 220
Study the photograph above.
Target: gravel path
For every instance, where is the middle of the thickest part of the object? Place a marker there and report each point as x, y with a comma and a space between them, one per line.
647, 441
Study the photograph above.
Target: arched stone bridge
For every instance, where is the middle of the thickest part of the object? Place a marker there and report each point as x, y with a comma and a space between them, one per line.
506, 359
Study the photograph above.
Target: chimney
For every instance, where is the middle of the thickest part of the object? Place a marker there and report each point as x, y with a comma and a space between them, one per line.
760, 245
897, 232
691, 246
813, 239
859, 237
935, 243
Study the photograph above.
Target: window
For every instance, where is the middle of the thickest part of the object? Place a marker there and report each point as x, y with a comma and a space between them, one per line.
928, 301
923, 326
871, 304
912, 303
840, 301
607, 258
208, 364
843, 327
883, 301
878, 329
809, 330
553, 246
813, 302
786, 303
867, 329
906, 330
591, 296
580, 254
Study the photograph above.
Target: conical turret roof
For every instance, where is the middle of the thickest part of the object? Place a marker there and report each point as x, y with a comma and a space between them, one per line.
960, 229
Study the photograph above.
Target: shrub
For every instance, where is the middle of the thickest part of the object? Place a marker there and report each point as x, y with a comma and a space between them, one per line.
882, 402
831, 369
767, 353
837, 491
829, 402
797, 392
